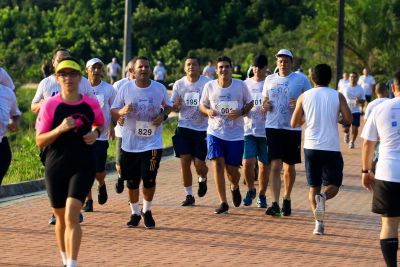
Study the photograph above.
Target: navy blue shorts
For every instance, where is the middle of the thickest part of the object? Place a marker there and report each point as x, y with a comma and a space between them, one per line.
323, 167
188, 141
368, 98
231, 151
356, 120
100, 154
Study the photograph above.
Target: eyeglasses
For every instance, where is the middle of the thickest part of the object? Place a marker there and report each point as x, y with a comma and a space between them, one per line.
72, 74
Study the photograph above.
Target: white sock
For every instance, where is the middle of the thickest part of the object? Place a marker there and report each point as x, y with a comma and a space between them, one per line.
201, 179
135, 208
146, 205
72, 263
63, 257
323, 195
189, 191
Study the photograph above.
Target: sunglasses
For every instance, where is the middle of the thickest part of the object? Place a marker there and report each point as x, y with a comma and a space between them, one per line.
71, 74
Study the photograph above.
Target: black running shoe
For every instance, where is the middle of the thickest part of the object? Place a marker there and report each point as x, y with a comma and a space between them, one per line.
223, 208
119, 185
273, 210
88, 206
189, 201
236, 197
202, 188
148, 220
102, 196
286, 207
134, 222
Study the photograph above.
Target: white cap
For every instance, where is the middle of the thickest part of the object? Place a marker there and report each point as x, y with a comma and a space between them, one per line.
284, 52
93, 61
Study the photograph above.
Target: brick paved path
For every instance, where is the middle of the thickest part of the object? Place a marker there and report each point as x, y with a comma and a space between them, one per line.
194, 236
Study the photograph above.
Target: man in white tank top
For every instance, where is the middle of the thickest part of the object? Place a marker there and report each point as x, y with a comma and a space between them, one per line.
320, 108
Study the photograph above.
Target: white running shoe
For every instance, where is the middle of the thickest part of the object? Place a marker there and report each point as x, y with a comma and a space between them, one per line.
319, 228
351, 145
319, 212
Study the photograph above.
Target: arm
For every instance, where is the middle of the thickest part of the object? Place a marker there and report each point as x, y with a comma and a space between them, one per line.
234, 114
35, 107
366, 159
344, 109
160, 117
298, 114
47, 138
207, 111
14, 125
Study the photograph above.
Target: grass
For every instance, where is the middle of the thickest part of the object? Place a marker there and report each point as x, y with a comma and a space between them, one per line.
25, 164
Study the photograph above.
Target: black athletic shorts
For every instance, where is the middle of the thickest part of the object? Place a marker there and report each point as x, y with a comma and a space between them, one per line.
284, 144
140, 166
386, 198
188, 141
100, 154
5, 157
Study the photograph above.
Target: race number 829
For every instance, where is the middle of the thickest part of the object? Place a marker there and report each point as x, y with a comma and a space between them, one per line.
144, 129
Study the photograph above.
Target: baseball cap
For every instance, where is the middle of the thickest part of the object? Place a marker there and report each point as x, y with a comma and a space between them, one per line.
284, 52
68, 63
93, 61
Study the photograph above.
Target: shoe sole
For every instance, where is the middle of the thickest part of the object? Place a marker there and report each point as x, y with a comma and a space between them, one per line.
187, 205
150, 227
225, 212
318, 233
319, 212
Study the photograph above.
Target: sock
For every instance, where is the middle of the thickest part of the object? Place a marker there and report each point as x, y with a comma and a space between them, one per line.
72, 263
146, 205
63, 257
188, 190
201, 179
389, 250
135, 208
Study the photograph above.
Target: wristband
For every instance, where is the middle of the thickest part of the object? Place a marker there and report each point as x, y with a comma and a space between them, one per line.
98, 132
366, 171
242, 111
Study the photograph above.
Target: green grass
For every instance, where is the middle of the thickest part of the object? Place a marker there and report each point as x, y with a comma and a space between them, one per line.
25, 164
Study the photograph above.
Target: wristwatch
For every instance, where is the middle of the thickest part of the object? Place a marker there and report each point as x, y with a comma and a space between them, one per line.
366, 171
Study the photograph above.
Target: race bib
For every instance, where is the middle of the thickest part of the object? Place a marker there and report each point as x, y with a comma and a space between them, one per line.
225, 107
192, 99
100, 99
257, 97
144, 129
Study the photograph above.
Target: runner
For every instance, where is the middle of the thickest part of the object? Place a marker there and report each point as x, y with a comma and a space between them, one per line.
68, 125
113, 70
190, 137
225, 101
367, 83
343, 82
209, 70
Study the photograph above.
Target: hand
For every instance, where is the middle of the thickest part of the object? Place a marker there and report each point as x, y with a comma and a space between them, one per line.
234, 114
211, 113
111, 133
121, 121
177, 104
368, 180
292, 103
267, 105
90, 137
126, 109
158, 120
66, 125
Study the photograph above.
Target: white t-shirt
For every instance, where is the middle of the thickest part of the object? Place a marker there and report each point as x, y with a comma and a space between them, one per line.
159, 73
223, 100
105, 94
366, 82
372, 105
321, 107
384, 125
5, 79
49, 87
117, 85
113, 69
190, 115
8, 108
138, 133
352, 95
254, 121
343, 83
280, 90
209, 71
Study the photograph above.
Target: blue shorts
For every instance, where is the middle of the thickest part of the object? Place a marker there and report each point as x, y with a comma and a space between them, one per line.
356, 120
256, 147
323, 167
188, 141
231, 151
100, 154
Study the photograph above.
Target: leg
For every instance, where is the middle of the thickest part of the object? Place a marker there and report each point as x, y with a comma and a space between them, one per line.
186, 172
248, 171
233, 175
201, 167
354, 133
73, 232
219, 179
263, 177
389, 239
289, 175
60, 227
276, 167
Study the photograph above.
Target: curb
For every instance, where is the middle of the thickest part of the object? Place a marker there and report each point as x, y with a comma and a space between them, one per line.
29, 187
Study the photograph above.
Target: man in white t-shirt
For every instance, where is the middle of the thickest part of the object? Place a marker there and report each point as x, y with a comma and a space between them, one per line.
6, 80
189, 140
140, 102
384, 125
319, 108
344, 81
160, 73
367, 82
255, 141
209, 70
355, 98
105, 94
113, 70
225, 101
280, 93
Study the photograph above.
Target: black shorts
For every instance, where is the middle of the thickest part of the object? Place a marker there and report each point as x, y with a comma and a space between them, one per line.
140, 166
284, 144
386, 198
368, 98
118, 142
323, 167
188, 141
100, 154
5, 157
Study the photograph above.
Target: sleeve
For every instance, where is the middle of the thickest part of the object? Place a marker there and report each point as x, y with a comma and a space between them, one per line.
119, 101
370, 131
247, 98
113, 95
98, 113
45, 117
6, 79
39, 93
204, 100
87, 88
175, 92
265, 89
166, 101
14, 110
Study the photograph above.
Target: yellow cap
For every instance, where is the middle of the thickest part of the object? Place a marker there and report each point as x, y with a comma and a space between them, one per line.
68, 64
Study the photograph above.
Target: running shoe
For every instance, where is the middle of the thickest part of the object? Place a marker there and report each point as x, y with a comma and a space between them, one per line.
262, 202
148, 220
88, 206
346, 138
134, 222
119, 185
319, 212
189, 201
236, 197
319, 228
250, 195
80, 217
351, 145
286, 207
273, 210
102, 196
202, 190
52, 220
223, 209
